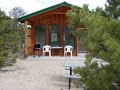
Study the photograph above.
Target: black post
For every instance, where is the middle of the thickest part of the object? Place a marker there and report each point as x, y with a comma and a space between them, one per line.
70, 78
69, 82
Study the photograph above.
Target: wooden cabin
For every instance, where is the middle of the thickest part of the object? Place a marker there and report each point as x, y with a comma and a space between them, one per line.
49, 27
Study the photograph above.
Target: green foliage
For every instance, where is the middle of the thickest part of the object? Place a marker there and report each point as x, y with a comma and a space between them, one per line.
15, 13
96, 78
102, 40
74, 16
113, 8
100, 10
3, 16
9, 40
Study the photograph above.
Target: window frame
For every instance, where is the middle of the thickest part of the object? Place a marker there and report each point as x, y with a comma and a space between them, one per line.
54, 36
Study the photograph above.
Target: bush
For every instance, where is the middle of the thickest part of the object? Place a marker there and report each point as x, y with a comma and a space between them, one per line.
10, 39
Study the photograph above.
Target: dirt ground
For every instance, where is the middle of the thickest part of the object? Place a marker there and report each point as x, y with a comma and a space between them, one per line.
37, 75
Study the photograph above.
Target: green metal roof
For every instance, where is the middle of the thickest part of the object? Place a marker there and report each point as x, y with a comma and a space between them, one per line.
44, 10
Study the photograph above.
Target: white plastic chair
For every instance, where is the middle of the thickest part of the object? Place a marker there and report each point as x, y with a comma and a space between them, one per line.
47, 48
68, 49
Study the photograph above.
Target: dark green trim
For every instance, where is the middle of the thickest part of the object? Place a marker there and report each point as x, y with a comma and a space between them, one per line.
44, 10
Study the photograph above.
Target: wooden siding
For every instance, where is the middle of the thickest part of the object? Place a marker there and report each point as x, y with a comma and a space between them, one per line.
56, 16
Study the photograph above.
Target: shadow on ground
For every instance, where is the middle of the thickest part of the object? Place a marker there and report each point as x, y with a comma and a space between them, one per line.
63, 82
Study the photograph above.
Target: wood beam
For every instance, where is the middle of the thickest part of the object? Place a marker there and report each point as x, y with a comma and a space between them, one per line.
58, 13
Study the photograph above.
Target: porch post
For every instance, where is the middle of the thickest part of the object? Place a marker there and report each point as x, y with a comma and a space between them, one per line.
32, 37
47, 34
61, 35
27, 40
76, 46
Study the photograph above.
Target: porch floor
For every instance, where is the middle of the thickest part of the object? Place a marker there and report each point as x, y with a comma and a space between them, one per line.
81, 56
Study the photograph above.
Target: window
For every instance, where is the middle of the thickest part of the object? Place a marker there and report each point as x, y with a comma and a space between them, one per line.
54, 35
68, 36
40, 35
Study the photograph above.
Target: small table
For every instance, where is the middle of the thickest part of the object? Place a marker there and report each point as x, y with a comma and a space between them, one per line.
57, 51
72, 65
57, 47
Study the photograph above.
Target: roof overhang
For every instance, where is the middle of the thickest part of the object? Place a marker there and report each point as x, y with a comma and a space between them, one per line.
44, 10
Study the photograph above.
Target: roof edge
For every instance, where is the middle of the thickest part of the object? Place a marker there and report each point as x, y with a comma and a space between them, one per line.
44, 10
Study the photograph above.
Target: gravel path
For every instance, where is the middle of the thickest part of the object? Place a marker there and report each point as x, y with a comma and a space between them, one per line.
37, 75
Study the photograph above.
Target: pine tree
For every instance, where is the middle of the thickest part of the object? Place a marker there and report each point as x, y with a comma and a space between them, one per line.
9, 40
113, 8
102, 40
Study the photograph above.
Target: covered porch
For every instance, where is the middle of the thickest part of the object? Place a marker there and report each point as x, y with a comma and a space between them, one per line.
80, 56
49, 27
